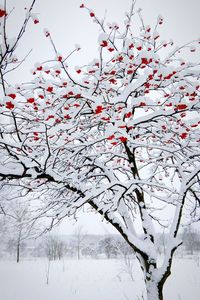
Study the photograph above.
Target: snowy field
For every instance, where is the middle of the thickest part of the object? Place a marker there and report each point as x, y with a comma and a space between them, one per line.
89, 279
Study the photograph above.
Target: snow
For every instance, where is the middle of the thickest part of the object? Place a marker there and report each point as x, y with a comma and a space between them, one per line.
91, 279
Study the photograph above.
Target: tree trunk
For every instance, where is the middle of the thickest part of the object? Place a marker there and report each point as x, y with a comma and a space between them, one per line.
18, 251
154, 290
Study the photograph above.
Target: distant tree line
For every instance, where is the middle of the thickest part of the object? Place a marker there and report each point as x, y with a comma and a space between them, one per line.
81, 245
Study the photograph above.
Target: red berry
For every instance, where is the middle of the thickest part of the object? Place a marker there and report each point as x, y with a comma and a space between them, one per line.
144, 61
131, 46
99, 109
13, 96
111, 137
30, 100
142, 104
50, 89
9, 105
104, 44
123, 139
181, 106
2, 13
183, 135
128, 115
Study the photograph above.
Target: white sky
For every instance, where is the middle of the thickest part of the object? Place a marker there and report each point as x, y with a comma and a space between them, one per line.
70, 25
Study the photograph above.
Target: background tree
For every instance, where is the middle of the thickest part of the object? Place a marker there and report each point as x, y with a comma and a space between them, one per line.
124, 249
108, 246
20, 226
122, 136
90, 251
54, 247
191, 240
3, 230
79, 237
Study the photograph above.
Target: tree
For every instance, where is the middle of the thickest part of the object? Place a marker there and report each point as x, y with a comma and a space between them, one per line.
78, 237
127, 260
54, 248
124, 249
107, 246
3, 230
91, 251
122, 136
20, 226
191, 240
17, 219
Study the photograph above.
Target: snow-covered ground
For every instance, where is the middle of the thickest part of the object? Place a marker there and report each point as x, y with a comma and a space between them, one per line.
91, 279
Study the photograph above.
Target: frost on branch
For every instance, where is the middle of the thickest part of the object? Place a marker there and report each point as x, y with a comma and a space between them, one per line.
122, 135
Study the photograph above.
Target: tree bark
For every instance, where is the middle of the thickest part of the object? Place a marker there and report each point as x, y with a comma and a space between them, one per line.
154, 290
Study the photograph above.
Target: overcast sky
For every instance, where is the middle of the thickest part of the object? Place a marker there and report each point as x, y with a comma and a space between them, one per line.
70, 25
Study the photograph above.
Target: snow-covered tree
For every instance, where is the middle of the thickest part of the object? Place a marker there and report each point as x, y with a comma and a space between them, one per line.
78, 238
19, 225
108, 246
54, 247
121, 136
191, 240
